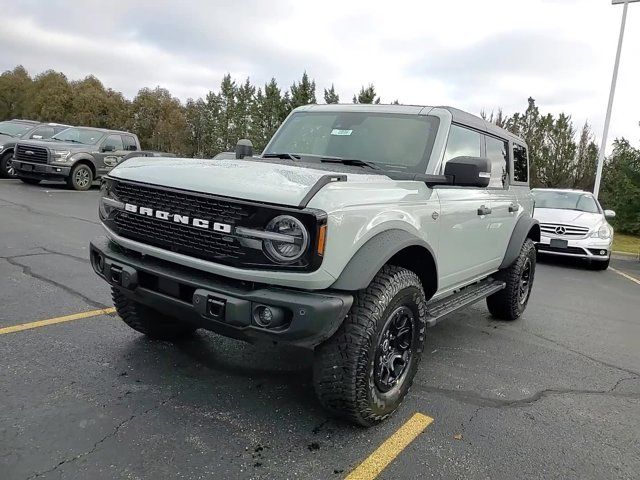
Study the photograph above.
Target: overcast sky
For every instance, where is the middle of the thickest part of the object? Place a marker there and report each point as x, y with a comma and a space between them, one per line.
472, 54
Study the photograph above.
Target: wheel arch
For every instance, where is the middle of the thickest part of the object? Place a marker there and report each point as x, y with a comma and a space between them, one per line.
86, 161
393, 247
526, 227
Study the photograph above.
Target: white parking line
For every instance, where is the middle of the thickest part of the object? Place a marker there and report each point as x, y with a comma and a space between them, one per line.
633, 279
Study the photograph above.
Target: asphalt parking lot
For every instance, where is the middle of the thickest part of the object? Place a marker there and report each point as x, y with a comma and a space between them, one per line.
555, 394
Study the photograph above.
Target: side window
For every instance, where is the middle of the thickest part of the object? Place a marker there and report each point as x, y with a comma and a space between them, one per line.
463, 142
114, 141
497, 152
129, 143
42, 133
520, 166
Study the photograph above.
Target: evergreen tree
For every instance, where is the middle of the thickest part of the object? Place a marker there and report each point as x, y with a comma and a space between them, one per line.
330, 96
49, 98
303, 93
367, 95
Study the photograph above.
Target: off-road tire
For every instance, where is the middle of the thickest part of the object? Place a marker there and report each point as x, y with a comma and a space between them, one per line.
147, 320
81, 177
4, 166
599, 265
508, 303
343, 370
30, 181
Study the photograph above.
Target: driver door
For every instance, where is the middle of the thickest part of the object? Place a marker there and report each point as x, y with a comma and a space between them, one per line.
466, 244
110, 153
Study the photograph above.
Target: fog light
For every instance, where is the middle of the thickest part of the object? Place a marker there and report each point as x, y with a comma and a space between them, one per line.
603, 252
98, 261
269, 317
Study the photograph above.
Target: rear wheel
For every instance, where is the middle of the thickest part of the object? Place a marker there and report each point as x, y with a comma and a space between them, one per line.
149, 321
30, 181
365, 370
510, 302
81, 177
6, 169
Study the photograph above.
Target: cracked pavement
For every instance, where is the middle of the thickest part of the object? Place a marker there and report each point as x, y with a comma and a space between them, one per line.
553, 395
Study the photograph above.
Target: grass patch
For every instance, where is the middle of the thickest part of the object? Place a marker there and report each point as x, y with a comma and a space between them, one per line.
626, 243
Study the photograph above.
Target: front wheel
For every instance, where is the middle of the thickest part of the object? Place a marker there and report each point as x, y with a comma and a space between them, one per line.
510, 302
81, 177
148, 321
6, 169
365, 370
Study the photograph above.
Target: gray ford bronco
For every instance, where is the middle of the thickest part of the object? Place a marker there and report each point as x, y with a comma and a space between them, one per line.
358, 227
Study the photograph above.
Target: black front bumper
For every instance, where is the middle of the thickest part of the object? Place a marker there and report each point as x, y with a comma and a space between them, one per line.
40, 171
217, 303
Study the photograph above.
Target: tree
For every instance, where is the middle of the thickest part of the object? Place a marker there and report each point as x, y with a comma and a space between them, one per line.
196, 119
330, 96
49, 98
270, 109
303, 93
621, 186
159, 120
367, 95
586, 160
14, 88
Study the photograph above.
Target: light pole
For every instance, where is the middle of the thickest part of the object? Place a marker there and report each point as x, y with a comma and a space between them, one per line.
607, 119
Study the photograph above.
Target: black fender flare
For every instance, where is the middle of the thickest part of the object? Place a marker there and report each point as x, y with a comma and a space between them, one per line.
526, 227
373, 255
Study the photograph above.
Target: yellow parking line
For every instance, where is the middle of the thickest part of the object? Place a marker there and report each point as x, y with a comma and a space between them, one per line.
51, 321
633, 279
391, 448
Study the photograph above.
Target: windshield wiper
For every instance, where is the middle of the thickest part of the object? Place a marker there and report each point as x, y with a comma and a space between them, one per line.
72, 141
7, 133
351, 161
286, 156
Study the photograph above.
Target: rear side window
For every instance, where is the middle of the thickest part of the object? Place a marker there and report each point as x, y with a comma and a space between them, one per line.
114, 141
463, 142
497, 152
129, 143
520, 164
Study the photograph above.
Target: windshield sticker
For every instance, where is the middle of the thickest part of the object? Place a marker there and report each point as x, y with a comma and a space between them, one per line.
337, 131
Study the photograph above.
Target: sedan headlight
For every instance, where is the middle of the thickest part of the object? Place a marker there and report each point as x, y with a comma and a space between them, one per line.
604, 231
290, 241
60, 155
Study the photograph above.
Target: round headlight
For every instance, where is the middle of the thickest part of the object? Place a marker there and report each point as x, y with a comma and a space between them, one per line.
290, 249
604, 231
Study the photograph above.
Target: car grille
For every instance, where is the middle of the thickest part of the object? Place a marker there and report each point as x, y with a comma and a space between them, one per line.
186, 239
562, 230
572, 250
27, 153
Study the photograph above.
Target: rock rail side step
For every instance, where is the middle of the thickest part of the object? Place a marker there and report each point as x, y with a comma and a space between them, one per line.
438, 309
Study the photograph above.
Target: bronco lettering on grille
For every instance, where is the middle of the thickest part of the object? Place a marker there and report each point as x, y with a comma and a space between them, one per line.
184, 219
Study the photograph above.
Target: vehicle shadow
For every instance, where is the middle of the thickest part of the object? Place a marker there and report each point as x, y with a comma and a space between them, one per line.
60, 185
560, 261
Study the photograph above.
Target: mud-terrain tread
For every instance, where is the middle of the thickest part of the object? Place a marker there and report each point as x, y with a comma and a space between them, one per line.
504, 304
148, 321
341, 363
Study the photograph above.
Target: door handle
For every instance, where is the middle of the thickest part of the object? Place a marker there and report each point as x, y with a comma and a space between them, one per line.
514, 207
484, 210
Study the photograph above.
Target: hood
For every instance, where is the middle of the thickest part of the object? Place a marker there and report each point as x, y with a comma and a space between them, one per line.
8, 139
57, 145
260, 181
568, 217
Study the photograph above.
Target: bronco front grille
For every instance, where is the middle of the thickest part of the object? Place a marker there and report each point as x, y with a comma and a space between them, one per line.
205, 243
27, 153
180, 238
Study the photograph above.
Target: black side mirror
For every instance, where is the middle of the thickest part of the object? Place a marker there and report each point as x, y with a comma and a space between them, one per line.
108, 148
244, 148
469, 171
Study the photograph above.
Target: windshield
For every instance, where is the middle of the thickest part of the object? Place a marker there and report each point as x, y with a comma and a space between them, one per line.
14, 129
582, 202
393, 141
86, 136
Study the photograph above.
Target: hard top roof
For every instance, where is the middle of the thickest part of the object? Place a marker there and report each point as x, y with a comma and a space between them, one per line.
458, 116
